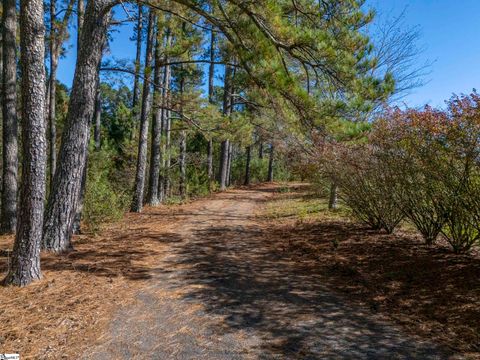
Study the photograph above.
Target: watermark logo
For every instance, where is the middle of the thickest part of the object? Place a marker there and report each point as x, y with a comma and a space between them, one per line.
9, 357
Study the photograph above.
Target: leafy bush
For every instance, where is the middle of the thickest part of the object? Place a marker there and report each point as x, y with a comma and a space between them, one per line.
411, 146
365, 186
424, 165
106, 195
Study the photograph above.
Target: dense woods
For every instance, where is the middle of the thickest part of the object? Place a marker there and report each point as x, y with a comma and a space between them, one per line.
210, 83
223, 94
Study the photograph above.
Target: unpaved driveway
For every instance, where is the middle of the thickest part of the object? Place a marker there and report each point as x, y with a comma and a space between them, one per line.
222, 293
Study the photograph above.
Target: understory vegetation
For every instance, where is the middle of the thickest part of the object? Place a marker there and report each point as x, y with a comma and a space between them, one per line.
415, 166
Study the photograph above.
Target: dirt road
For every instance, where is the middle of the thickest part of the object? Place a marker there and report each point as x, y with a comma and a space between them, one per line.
222, 291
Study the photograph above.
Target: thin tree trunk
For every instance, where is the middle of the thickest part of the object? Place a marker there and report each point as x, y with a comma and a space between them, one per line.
247, 166
54, 54
138, 54
210, 170
154, 197
137, 202
168, 156
25, 264
165, 152
333, 199
9, 113
97, 117
224, 164
64, 199
183, 163
80, 17
231, 109
229, 163
270, 163
225, 147
183, 146
211, 75
260, 150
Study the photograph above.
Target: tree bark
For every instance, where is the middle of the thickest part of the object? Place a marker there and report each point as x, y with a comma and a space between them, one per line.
229, 163
168, 156
137, 202
63, 200
225, 147
183, 146
154, 196
183, 164
333, 199
97, 115
25, 264
211, 75
165, 152
54, 54
270, 163
138, 54
168, 133
260, 150
9, 113
247, 166
80, 17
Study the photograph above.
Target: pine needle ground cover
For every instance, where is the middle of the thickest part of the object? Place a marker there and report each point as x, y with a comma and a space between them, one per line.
427, 289
69, 309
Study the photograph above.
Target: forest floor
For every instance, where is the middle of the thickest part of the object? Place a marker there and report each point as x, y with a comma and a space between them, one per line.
249, 273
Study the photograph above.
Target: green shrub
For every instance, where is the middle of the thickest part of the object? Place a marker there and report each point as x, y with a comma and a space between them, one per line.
107, 195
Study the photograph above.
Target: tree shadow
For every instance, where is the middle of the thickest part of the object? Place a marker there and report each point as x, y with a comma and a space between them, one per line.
249, 277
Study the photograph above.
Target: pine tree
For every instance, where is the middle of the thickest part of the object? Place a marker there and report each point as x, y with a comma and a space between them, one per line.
138, 194
25, 263
9, 113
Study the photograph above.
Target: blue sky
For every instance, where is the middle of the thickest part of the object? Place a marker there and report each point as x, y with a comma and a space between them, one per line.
450, 35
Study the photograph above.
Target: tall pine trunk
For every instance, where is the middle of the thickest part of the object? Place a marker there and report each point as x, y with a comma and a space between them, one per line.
63, 200
183, 146
168, 156
154, 197
247, 166
137, 202
165, 152
25, 264
97, 116
225, 146
211, 74
76, 229
138, 54
229, 163
52, 92
80, 17
270, 163
168, 132
9, 113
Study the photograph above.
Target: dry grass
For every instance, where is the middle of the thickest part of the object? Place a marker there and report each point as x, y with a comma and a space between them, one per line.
71, 306
428, 290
